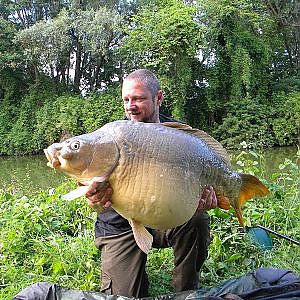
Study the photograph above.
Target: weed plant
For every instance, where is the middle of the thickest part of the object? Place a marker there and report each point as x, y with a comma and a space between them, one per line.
44, 238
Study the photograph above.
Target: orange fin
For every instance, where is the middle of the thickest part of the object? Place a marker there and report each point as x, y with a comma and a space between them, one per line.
251, 187
223, 202
142, 236
239, 216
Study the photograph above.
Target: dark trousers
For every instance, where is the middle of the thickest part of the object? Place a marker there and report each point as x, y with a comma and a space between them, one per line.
123, 263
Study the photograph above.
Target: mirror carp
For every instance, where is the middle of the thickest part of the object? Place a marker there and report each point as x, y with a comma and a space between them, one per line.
157, 172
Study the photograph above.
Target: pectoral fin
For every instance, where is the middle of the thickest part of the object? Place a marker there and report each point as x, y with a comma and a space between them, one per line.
142, 236
223, 202
76, 193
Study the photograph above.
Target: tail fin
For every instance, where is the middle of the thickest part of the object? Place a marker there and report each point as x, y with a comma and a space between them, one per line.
251, 187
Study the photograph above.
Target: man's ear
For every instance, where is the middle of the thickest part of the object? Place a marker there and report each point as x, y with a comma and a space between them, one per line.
160, 97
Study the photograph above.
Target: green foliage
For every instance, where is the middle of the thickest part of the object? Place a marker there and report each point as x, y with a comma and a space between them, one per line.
238, 57
285, 118
44, 117
259, 124
285, 43
19, 122
72, 115
245, 121
9, 52
159, 269
19, 138
102, 109
44, 44
75, 41
165, 38
59, 119
44, 238
222, 66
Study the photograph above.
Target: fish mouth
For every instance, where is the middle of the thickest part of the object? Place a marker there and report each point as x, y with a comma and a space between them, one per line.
53, 161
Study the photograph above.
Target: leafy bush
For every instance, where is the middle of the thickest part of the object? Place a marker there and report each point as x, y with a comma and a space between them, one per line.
261, 125
44, 238
20, 138
285, 118
19, 120
73, 115
101, 109
44, 118
246, 121
59, 119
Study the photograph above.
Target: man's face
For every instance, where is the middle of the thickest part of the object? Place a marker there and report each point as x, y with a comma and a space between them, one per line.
139, 104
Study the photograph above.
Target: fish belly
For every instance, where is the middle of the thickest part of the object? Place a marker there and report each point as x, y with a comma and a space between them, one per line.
161, 174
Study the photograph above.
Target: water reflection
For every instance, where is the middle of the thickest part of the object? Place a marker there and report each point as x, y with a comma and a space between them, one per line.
28, 174
270, 159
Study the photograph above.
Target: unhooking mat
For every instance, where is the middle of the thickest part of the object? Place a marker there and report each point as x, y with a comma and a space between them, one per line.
263, 283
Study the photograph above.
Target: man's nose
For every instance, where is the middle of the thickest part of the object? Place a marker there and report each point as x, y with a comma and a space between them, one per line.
131, 103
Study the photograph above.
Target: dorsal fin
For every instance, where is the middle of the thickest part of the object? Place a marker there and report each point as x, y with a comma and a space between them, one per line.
209, 140
177, 125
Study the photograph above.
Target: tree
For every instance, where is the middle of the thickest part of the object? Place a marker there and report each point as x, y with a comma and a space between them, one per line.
236, 55
164, 37
287, 25
72, 47
25, 13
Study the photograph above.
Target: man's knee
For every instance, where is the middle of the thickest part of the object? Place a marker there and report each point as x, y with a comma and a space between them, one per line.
121, 256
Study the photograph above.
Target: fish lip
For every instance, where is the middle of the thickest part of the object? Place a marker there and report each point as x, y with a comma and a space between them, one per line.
53, 161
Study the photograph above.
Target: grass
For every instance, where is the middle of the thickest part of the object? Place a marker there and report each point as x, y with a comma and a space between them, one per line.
44, 238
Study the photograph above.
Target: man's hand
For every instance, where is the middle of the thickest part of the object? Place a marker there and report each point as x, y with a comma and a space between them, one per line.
99, 194
208, 200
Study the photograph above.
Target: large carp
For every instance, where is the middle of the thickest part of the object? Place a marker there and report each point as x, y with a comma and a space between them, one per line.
157, 172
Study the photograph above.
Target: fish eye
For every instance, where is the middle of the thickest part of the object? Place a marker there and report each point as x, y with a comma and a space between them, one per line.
75, 145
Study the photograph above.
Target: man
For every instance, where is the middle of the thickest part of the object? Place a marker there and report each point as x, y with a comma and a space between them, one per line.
123, 263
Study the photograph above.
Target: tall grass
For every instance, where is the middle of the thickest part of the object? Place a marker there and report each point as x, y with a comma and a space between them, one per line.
44, 238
